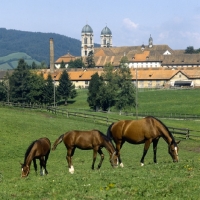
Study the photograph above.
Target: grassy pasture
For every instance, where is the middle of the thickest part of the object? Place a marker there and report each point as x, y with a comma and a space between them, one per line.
182, 101
165, 180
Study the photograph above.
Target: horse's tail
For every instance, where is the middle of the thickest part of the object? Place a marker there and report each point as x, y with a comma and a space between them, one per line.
58, 141
109, 133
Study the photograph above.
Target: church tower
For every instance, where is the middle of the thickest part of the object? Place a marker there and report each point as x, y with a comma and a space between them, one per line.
150, 42
106, 37
87, 42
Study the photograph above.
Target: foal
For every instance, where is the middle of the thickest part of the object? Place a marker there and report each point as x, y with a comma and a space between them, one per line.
38, 149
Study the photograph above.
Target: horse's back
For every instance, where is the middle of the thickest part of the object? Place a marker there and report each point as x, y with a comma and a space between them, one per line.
43, 146
82, 139
133, 131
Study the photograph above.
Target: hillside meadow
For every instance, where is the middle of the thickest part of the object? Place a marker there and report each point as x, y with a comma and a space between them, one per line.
165, 180
185, 101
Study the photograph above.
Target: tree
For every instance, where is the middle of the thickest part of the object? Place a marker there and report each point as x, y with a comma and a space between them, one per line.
90, 60
93, 91
34, 66
126, 89
66, 89
36, 84
108, 90
2, 92
115, 88
78, 63
190, 50
62, 65
125, 96
19, 87
48, 91
106, 96
102, 89
6, 86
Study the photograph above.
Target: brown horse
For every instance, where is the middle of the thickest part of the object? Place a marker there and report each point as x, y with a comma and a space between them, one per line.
86, 140
146, 130
38, 149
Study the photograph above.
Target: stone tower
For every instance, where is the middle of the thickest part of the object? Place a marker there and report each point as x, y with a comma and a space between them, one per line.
106, 37
51, 55
87, 43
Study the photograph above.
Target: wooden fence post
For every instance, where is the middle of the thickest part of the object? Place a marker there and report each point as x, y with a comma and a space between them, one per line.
187, 134
67, 114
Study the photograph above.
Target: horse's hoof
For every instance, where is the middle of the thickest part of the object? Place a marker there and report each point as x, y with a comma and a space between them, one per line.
71, 170
121, 165
142, 164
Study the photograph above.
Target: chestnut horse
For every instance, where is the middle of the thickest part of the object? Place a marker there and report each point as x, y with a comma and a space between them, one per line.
146, 130
87, 140
38, 149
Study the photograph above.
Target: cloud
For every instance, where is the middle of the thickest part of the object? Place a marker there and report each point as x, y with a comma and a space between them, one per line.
129, 24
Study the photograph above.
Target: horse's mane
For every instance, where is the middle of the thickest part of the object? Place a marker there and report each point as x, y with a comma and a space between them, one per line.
109, 132
108, 139
28, 150
173, 140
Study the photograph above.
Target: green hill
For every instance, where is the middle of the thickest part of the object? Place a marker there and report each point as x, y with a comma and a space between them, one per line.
11, 61
36, 44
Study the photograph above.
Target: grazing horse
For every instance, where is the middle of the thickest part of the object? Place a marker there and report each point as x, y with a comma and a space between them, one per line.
86, 140
146, 130
38, 149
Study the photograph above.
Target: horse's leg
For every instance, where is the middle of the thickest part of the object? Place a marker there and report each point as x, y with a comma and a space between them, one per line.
35, 165
70, 153
94, 157
42, 165
118, 147
155, 142
45, 162
102, 157
146, 147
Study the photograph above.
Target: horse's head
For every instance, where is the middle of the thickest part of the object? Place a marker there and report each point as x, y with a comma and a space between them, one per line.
114, 159
173, 150
25, 170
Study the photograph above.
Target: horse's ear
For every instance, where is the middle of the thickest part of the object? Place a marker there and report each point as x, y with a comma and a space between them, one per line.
178, 142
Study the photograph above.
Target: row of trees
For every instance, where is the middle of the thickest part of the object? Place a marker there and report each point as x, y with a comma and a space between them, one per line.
24, 85
113, 88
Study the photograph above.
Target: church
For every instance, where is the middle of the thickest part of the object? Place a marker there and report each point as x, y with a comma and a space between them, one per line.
156, 65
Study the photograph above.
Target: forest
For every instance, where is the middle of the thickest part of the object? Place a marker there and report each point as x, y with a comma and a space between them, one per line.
36, 44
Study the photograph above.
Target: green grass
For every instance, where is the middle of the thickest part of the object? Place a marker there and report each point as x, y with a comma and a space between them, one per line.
158, 101
165, 180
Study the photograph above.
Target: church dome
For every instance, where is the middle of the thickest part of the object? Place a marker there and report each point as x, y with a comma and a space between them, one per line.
106, 31
87, 29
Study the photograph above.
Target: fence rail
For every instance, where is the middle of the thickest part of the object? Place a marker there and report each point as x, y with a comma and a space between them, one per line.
95, 118
186, 133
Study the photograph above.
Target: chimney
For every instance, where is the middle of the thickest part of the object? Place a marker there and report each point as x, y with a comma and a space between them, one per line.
51, 55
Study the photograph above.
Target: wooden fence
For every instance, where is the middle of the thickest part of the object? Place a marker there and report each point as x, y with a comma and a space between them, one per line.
94, 118
182, 132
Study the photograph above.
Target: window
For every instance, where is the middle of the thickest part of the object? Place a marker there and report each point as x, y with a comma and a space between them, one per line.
85, 40
150, 84
158, 83
86, 82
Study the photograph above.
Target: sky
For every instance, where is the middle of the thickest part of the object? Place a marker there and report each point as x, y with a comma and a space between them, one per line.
172, 22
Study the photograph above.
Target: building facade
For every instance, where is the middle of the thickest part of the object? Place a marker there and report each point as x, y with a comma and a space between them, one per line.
156, 65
